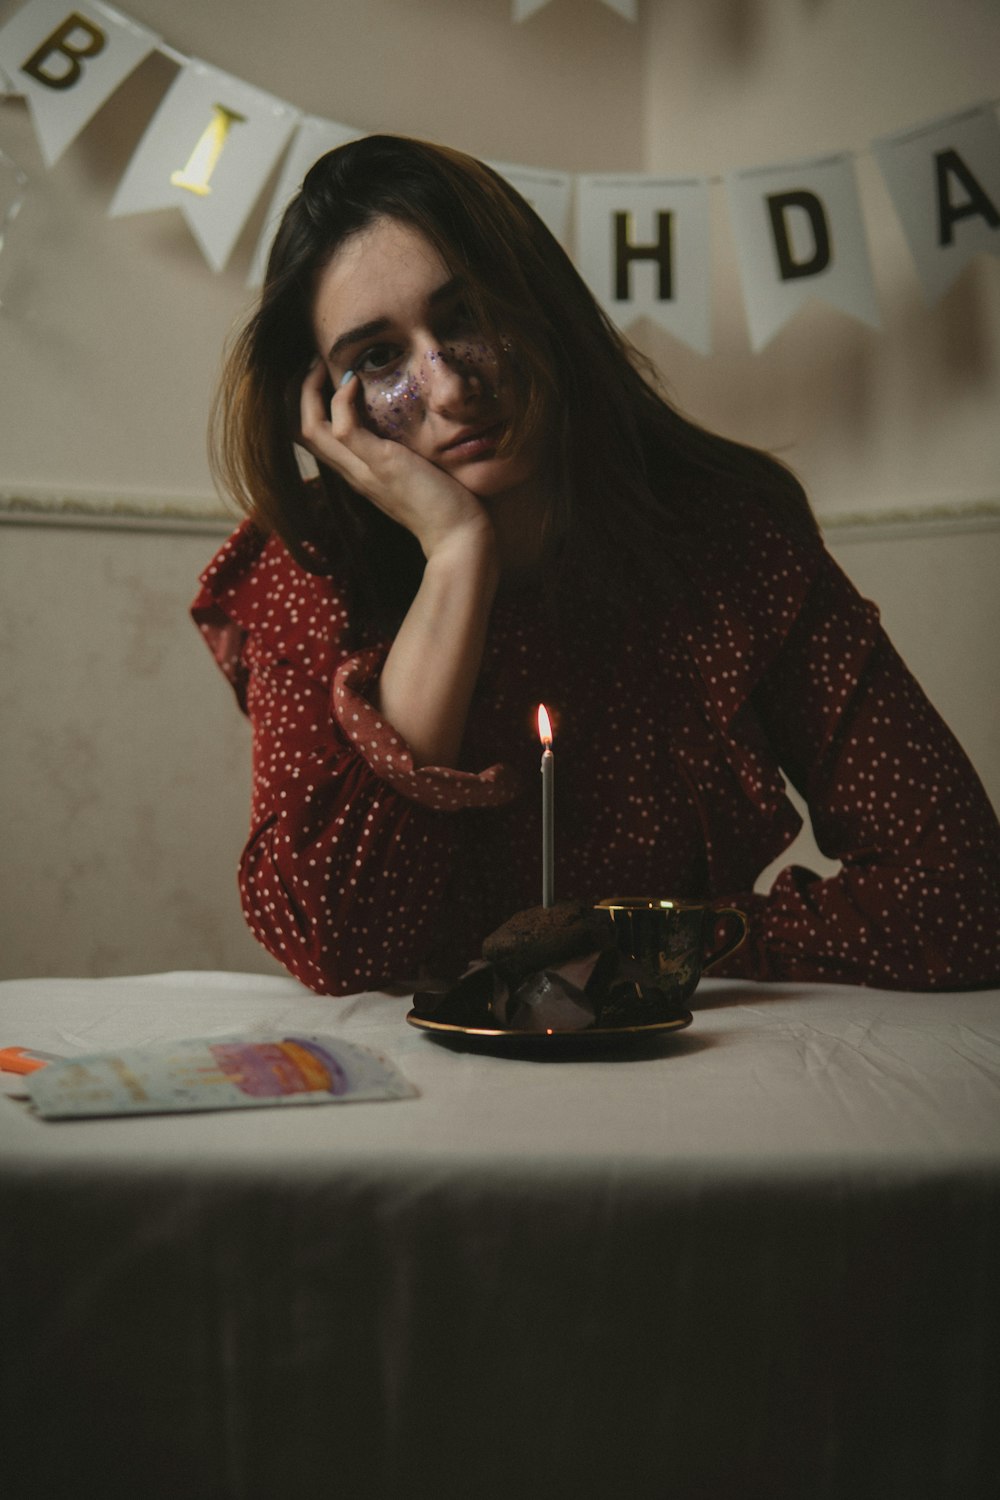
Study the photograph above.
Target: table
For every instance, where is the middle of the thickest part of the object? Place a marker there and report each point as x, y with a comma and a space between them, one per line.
759, 1261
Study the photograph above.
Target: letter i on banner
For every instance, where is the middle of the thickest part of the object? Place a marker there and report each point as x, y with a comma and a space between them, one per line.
642, 247
208, 151
66, 60
800, 234
944, 181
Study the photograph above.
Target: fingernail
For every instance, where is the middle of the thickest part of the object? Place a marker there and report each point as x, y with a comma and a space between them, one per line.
348, 375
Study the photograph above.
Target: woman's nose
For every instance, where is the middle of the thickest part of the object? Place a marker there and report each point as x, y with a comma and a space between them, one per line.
447, 381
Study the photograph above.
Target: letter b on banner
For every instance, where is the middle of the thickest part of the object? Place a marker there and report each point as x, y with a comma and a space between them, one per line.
67, 61
61, 45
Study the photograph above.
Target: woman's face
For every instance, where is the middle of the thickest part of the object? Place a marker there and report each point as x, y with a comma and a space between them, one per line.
388, 308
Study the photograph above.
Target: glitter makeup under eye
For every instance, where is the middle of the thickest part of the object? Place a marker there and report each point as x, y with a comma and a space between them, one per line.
394, 403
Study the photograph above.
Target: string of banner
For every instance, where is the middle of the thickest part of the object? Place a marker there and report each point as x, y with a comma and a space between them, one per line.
640, 241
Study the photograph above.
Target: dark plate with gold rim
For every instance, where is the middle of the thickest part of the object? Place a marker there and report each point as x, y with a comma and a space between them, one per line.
584, 1041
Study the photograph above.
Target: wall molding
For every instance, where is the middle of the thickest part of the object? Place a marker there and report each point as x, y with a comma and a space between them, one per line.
195, 514
896, 523
207, 515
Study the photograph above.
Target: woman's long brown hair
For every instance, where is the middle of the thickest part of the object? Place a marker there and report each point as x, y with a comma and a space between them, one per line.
628, 475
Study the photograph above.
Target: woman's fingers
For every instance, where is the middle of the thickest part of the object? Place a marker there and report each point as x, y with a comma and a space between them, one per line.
344, 415
326, 428
324, 417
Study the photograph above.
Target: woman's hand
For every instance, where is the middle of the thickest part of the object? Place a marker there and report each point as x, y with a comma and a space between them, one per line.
407, 487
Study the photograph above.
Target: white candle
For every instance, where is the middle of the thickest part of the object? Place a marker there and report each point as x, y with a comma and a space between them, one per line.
548, 808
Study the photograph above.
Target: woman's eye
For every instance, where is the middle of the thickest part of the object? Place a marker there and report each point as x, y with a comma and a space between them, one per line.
378, 360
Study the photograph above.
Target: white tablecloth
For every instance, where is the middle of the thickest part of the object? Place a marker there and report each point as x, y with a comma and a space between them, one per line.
762, 1261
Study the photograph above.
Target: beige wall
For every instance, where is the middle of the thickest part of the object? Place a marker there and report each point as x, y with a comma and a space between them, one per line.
124, 786
902, 416
112, 329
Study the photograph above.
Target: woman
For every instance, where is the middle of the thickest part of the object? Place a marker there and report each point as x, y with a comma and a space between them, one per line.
508, 512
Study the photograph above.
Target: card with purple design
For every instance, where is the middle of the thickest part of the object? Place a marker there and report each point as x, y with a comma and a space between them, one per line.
212, 1073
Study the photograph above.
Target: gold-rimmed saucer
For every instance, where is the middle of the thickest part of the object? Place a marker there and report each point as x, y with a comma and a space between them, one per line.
591, 1038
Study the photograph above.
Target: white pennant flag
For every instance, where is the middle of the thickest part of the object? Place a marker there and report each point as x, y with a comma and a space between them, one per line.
642, 247
314, 138
66, 60
522, 9
548, 193
944, 180
800, 234
208, 151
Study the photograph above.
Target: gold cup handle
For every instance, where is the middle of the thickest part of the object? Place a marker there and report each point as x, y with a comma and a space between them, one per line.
728, 945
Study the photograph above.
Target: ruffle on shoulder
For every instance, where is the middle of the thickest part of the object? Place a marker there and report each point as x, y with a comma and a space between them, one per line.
213, 607
253, 587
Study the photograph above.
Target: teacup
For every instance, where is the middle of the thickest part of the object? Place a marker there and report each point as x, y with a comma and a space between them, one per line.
662, 949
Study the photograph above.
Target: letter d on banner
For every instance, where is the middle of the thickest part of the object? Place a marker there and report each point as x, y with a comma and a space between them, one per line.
817, 258
208, 151
800, 234
67, 60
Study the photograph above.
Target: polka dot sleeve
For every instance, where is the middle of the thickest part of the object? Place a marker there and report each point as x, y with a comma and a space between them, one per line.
351, 849
391, 758
892, 796
344, 875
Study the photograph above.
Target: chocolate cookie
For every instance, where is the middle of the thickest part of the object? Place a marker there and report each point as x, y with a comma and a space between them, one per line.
543, 936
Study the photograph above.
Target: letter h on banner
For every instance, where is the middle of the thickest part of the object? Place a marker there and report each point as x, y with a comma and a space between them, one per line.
66, 60
642, 246
799, 234
660, 252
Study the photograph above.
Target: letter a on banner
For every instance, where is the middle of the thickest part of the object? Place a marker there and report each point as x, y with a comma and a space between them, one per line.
208, 151
642, 248
66, 59
800, 234
944, 180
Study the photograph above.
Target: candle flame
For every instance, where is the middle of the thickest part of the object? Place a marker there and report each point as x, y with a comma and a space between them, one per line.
544, 726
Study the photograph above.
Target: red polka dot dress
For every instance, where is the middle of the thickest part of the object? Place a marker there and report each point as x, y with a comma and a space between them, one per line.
674, 723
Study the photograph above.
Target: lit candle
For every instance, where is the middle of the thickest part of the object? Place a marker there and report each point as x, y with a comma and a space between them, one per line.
548, 807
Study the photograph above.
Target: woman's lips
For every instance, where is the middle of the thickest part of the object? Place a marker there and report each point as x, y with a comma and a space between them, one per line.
475, 442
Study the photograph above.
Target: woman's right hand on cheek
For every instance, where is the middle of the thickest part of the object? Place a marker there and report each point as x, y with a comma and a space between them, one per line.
408, 488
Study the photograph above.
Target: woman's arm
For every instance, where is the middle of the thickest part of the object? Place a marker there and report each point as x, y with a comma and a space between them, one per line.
429, 675
343, 877
892, 795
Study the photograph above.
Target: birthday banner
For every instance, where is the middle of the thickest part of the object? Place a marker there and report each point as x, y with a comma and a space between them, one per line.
641, 241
